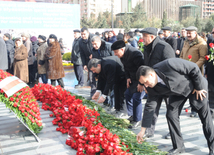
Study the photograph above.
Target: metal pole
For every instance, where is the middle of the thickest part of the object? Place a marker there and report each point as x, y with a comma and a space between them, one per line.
112, 18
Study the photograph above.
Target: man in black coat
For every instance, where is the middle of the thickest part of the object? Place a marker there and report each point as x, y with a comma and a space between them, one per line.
3, 55
111, 74
132, 59
180, 42
10, 51
100, 48
85, 47
168, 38
155, 51
180, 80
76, 59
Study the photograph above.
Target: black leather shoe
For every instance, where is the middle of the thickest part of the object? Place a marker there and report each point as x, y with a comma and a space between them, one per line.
130, 119
148, 135
134, 125
168, 136
193, 114
176, 151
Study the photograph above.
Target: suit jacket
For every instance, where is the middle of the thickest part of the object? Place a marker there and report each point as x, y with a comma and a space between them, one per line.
132, 60
173, 42
159, 52
85, 47
112, 72
75, 55
181, 78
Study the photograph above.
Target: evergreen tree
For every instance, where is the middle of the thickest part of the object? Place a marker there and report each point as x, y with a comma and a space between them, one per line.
209, 25
197, 23
126, 22
164, 19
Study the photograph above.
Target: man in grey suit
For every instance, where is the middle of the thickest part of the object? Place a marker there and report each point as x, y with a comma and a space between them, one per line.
180, 80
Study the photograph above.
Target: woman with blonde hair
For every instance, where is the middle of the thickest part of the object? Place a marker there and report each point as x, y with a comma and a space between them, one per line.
55, 70
20, 60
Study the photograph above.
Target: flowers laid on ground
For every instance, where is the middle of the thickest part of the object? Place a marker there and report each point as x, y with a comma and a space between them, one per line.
104, 134
66, 63
24, 104
210, 57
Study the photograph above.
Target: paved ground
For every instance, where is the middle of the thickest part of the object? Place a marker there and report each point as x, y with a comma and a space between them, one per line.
16, 139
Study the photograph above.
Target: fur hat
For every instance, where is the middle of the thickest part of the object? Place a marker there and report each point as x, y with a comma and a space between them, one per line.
53, 36
42, 37
33, 39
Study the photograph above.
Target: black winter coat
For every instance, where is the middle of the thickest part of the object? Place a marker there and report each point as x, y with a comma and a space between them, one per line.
10, 52
112, 39
85, 47
112, 72
180, 44
104, 51
159, 52
172, 41
132, 60
75, 55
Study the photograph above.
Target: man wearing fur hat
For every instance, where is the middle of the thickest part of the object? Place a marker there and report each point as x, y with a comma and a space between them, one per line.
28, 45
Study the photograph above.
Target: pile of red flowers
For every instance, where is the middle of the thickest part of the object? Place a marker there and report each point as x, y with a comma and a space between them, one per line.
69, 112
24, 104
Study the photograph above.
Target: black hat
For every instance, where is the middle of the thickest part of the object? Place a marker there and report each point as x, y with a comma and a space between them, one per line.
137, 30
167, 28
160, 32
7, 35
77, 30
53, 36
191, 28
42, 37
150, 30
118, 45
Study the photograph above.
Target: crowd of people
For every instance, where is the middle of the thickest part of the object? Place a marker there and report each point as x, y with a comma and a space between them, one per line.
171, 67
29, 58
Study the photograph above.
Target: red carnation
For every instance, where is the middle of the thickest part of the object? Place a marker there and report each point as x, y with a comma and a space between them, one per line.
207, 57
211, 45
190, 56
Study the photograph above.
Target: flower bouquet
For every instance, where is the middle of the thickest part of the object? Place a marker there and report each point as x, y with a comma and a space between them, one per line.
23, 104
210, 57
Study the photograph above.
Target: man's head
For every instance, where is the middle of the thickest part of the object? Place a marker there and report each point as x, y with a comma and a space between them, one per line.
84, 33
149, 34
137, 31
25, 36
191, 33
160, 33
95, 65
6, 36
130, 34
96, 42
119, 48
166, 31
183, 32
76, 34
147, 76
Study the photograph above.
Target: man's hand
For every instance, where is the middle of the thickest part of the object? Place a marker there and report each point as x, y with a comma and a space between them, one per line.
140, 135
200, 93
39, 65
101, 99
177, 52
90, 57
85, 68
128, 82
95, 96
140, 88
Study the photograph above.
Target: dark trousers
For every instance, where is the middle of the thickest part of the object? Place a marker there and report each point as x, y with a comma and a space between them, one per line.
92, 82
44, 78
31, 72
78, 70
174, 108
151, 130
211, 97
60, 81
134, 105
119, 89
